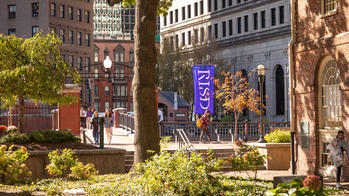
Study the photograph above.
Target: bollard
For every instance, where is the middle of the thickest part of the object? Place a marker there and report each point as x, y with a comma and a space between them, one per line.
232, 135
218, 137
84, 135
101, 132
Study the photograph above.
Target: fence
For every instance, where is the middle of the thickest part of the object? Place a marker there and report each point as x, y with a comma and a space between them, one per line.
127, 122
36, 117
218, 130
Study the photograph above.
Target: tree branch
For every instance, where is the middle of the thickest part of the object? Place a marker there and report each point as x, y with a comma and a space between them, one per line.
113, 2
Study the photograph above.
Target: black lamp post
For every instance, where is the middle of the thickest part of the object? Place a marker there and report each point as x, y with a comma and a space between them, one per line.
261, 76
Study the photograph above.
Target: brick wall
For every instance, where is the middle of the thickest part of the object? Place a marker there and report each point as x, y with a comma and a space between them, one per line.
316, 38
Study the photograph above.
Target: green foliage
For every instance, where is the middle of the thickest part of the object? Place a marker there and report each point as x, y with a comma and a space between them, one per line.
65, 164
42, 136
296, 188
12, 165
227, 118
278, 136
247, 158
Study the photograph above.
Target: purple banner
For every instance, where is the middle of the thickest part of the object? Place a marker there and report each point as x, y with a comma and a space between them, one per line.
203, 88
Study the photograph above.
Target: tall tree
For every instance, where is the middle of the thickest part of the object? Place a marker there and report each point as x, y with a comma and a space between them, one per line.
147, 138
236, 95
33, 69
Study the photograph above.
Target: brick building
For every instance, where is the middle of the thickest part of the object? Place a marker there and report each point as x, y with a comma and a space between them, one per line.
167, 102
319, 81
70, 19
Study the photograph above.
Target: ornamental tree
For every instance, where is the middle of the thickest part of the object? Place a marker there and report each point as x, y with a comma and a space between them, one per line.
236, 95
147, 137
33, 69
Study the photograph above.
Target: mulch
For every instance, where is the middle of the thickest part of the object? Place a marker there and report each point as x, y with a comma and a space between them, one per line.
53, 146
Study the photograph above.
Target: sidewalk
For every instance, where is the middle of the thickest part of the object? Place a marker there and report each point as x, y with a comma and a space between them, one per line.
121, 139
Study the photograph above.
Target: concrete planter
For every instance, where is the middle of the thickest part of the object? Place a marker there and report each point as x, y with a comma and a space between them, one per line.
279, 153
106, 161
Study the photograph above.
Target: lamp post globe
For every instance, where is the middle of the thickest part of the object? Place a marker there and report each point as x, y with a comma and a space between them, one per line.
107, 63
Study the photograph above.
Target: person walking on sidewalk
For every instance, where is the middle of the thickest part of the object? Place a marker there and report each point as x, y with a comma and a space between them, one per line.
95, 131
82, 117
205, 120
108, 124
339, 145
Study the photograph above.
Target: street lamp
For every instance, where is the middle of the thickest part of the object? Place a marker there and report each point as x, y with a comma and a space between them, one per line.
261, 76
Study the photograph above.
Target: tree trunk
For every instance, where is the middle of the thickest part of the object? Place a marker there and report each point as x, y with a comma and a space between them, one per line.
147, 135
21, 113
236, 118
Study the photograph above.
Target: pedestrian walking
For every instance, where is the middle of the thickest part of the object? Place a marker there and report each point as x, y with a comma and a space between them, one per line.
95, 131
337, 146
205, 119
89, 114
82, 117
108, 125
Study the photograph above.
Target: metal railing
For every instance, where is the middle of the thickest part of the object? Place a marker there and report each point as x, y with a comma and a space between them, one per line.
218, 130
126, 121
184, 142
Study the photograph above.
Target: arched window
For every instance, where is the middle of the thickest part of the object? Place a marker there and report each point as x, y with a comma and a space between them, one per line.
280, 91
107, 91
119, 54
331, 109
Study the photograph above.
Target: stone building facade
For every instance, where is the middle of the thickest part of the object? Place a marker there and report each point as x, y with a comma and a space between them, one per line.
320, 75
70, 19
247, 33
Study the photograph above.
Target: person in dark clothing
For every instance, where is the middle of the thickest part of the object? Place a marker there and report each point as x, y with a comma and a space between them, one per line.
205, 120
95, 127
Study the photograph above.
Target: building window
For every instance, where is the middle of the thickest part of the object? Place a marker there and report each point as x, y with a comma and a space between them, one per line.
35, 30
97, 106
196, 36
88, 40
61, 11
87, 16
71, 60
119, 54
88, 64
107, 91
88, 95
79, 15
119, 72
215, 7
132, 56
223, 3
189, 37
61, 34
331, 96
202, 34
183, 13
171, 17
263, 19
273, 16
35, 9
79, 38
106, 106
176, 41
239, 25
282, 15
209, 5
230, 2
246, 23
96, 73
329, 6
12, 11
165, 20
223, 29
53, 9
96, 90
71, 37
189, 11
216, 31
255, 21
96, 54
280, 91
79, 63
183, 39
201, 7
121, 90
230, 27
209, 33
176, 15
71, 13
196, 9
11, 31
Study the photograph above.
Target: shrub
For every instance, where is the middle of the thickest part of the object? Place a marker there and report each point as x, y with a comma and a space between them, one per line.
12, 165
66, 164
278, 136
247, 158
3, 128
312, 182
42, 136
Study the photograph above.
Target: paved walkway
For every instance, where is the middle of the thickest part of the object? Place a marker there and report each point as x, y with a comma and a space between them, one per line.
124, 140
